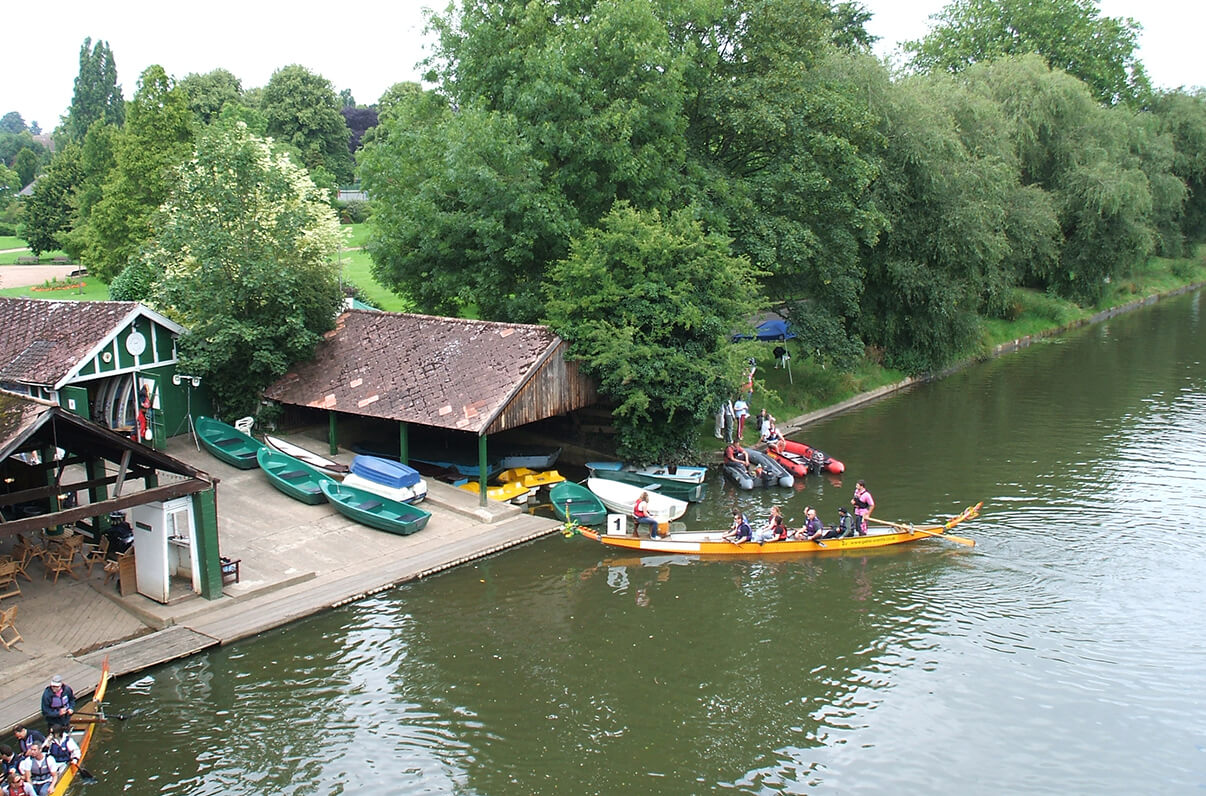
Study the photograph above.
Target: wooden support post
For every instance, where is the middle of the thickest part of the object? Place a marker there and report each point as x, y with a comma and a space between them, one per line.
332, 435
205, 515
404, 443
95, 469
483, 471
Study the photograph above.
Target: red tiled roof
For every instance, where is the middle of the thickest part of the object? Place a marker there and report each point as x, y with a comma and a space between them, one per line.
42, 340
450, 373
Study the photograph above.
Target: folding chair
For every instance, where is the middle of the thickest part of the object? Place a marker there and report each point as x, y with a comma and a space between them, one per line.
96, 553
9, 587
60, 561
7, 617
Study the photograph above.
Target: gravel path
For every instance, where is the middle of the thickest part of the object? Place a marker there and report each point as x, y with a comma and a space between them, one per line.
28, 275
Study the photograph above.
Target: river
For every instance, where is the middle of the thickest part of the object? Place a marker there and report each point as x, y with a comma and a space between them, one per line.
1062, 654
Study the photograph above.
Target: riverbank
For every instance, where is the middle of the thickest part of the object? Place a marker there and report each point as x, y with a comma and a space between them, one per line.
814, 392
296, 561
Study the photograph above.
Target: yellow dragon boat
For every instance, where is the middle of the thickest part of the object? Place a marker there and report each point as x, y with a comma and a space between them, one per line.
92, 715
713, 543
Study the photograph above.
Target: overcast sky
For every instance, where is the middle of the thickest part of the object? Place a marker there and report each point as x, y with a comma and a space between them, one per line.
369, 45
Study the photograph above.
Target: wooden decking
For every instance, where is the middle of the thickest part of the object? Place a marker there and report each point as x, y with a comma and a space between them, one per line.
297, 560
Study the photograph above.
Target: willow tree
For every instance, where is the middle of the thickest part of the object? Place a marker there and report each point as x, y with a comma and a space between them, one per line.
244, 245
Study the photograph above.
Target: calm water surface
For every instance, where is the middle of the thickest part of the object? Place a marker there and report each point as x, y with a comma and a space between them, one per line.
1063, 654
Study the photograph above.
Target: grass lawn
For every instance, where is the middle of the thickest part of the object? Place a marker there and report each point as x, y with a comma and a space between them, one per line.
356, 267
11, 242
358, 234
9, 258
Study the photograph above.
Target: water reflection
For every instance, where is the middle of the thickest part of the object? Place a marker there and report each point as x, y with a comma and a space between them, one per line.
1062, 654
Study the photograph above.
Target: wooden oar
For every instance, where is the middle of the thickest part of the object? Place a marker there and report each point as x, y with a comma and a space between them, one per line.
913, 529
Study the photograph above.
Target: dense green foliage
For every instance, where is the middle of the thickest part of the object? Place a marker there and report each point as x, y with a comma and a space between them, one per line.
647, 304
97, 94
1068, 34
303, 112
156, 138
48, 212
209, 93
244, 244
892, 217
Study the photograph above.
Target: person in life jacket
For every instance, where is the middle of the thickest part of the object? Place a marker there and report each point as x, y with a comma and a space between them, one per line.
40, 770
863, 504
63, 748
27, 738
641, 512
845, 524
58, 703
15, 785
740, 531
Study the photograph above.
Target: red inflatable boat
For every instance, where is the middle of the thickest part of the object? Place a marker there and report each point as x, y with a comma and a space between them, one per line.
815, 460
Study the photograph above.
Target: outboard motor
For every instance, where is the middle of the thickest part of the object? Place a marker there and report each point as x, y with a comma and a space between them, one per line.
121, 535
817, 463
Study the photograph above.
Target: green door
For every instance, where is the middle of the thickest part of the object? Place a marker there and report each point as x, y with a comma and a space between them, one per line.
75, 399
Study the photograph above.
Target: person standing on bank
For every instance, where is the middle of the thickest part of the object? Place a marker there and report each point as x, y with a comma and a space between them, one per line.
58, 703
863, 504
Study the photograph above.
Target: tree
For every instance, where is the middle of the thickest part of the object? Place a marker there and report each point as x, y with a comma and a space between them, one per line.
95, 160
1084, 156
12, 123
97, 94
156, 138
1182, 115
463, 217
26, 165
303, 112
208, 93
1069, 35
245, 245
359, 121
785, 140
647, 305
48, 210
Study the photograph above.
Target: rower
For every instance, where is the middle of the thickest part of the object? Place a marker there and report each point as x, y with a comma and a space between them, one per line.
63, 747
40, 770
740, 531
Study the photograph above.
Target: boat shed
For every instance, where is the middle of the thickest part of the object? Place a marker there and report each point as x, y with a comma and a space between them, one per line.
57, 469
113, 362
459, 374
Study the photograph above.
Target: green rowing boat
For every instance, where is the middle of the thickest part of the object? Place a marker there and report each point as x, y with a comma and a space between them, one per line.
295, 478
228, 443
374, 510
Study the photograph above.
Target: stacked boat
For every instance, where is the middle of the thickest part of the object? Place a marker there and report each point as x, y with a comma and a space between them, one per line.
387, 478
621, 498
684, 488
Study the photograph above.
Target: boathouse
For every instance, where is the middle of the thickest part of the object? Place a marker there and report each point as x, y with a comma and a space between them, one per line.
112, 362
480, 378
62, 475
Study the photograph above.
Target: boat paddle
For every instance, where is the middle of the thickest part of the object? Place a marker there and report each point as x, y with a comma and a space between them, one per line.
913, 529
98, 716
